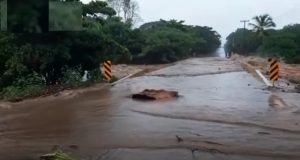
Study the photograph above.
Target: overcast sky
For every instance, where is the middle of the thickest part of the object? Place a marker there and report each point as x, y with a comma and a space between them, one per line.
223, 15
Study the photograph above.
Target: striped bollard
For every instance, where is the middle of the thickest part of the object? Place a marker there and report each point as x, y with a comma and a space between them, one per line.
274, 70
107, 71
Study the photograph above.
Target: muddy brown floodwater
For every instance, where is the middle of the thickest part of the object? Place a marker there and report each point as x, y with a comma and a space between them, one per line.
223, 113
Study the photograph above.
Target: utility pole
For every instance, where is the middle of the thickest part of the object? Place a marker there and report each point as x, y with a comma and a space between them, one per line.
245, 22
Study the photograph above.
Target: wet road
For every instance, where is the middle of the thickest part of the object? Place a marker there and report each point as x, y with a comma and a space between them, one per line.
223, 113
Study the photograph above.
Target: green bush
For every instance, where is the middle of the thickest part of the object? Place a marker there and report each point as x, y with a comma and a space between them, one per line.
30, 85
30, 79
13, 93
72, 77
95, 75
284, 43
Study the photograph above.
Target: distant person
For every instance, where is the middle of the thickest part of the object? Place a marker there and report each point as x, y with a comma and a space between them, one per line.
228, 54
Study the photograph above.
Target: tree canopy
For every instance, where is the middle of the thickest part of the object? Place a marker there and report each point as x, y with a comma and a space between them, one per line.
261, 24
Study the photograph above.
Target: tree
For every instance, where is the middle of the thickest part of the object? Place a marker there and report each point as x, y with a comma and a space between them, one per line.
97, 9
116, 5
167, 41
284, 43
152, 25
262, 24
242, 42
132, 14
128, 9
211, 38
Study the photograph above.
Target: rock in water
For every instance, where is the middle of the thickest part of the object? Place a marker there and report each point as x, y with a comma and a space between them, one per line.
150, 94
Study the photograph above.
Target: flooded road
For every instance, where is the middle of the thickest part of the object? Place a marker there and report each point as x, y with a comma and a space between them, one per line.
222, 113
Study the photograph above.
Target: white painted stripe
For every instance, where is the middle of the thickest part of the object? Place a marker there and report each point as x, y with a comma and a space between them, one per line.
267, 82
122, 79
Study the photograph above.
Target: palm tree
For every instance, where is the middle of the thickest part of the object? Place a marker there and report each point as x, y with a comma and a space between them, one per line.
262, 24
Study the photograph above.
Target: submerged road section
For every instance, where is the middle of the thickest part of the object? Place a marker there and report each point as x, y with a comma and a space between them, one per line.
222, 113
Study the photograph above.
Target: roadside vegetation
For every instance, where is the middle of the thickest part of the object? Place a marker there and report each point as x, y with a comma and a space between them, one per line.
264, 40
39, 64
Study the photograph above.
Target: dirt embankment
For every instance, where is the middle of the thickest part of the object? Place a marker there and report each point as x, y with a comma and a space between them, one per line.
289, 73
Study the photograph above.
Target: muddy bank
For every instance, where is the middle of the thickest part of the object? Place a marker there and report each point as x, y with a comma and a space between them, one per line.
289, 73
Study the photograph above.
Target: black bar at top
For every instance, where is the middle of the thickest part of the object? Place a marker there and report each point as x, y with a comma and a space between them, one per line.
28, 16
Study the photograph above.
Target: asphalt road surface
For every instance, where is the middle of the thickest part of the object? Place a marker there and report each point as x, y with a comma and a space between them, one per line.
223, 113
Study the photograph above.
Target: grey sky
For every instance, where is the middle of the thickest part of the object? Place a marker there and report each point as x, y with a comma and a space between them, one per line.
223, 15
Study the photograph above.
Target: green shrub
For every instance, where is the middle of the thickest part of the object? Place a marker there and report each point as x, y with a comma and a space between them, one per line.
95, 76
284, 43
30, 85
30, 79
13, 93
72, 77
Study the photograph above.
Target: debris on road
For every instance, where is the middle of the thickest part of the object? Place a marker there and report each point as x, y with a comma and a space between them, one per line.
151, 94
58, 155
264, 133
179, 139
